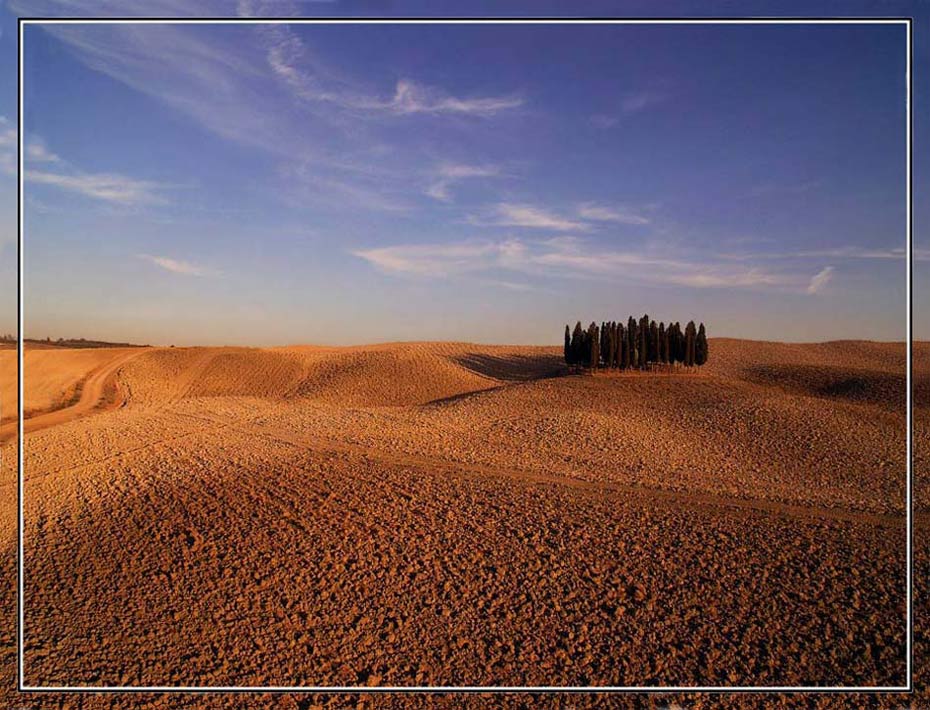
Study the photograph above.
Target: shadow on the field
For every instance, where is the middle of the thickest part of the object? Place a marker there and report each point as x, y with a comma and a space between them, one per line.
859, 385
514, 368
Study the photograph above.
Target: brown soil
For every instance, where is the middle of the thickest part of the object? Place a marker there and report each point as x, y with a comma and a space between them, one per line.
54, 378
456, 514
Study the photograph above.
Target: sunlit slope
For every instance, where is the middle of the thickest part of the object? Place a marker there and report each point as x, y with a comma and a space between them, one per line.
52, 376
820, 423
393, 374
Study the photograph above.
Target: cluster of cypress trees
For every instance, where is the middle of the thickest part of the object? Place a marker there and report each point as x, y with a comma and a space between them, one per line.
638, 345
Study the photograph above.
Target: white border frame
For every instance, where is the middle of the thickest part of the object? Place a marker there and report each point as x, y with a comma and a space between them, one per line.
20, 642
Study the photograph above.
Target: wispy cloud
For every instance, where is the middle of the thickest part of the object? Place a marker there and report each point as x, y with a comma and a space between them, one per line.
112, 188
853, 252
600, 213
844, 252
450, 173
410, 97
372, 192
509, 214
108, 187
571, 257
583, 218
453, 171
37, 152
820, 279
293, 62
438, 190
265, 87
630, 103
7, 146
447, 259
635, 102
176, 266
272, 8
184, 67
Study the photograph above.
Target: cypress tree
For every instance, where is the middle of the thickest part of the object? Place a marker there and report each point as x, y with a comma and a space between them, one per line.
648, 340
624, 349
670, 343
611, 344
689, 344
568, 346
663, 350
602, 349
643, 341
577, 344
653, 342
618, 345
632, 338
700, 346
594, 347
681, 343
605, 344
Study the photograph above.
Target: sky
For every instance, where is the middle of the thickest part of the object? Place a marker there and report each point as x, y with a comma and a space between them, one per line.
270, 184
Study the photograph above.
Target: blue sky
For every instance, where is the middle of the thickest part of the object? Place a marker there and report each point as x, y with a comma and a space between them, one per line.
266, 184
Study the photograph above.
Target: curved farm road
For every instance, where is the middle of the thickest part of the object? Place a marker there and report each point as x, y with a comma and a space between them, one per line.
93, 397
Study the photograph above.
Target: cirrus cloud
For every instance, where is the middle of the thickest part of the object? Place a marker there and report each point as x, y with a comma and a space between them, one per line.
176, 266
571, 257
450, 173
509, 214
108, 187
8, 138
600, 213
820, 280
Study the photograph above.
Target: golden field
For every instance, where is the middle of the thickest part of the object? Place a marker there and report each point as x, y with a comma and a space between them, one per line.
460, 514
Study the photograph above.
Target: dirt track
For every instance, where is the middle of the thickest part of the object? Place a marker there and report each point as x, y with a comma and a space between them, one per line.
97, 390
447, 513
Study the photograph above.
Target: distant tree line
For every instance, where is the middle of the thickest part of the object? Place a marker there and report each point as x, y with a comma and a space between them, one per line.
636, 346
71, 342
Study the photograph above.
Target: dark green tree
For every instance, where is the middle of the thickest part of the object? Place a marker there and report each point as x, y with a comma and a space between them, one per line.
602, 342
653, 342
632, 337
618, 345
643, 342
611, 344
682, 351
608, 335
619, 335
700, 346
594, 351
577, 344
674, 349
624, 349
607, 340
690, 337
663, 344
568, 346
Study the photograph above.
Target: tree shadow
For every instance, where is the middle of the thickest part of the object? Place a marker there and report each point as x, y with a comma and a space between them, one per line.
514, 368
